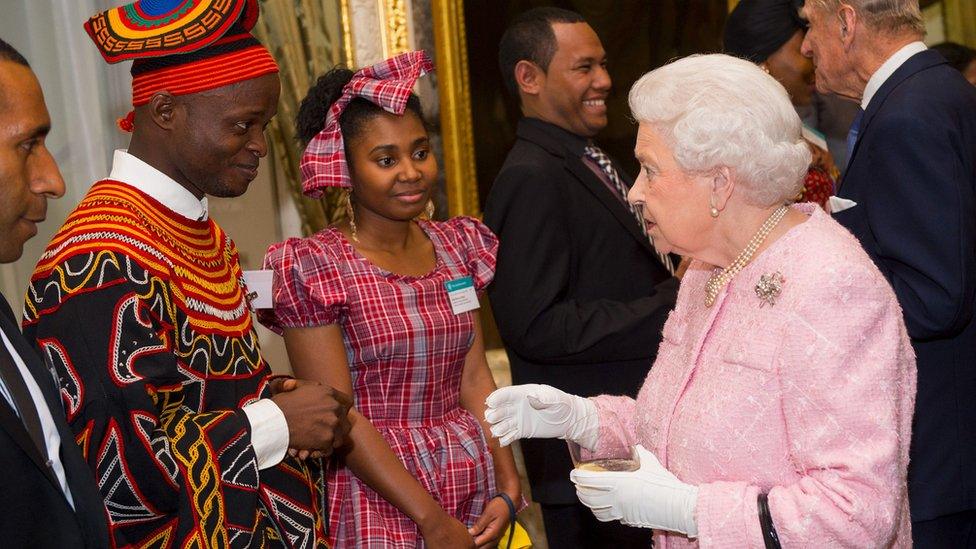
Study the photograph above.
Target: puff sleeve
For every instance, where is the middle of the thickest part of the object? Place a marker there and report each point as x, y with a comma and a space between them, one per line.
307, 289
478, 249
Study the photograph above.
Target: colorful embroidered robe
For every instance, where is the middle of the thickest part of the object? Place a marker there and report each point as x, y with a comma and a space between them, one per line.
143, 314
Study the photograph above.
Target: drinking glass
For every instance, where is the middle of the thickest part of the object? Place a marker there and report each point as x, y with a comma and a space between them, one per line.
620, 460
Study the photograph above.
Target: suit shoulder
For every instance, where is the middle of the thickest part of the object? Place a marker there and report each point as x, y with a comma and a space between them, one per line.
935, 91
528, 167
529, 157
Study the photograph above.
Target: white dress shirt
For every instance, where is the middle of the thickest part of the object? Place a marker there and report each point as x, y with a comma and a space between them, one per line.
52, 440
888, 68
269, 429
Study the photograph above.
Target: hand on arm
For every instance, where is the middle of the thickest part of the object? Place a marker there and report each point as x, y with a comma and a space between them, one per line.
317, 416
317, 354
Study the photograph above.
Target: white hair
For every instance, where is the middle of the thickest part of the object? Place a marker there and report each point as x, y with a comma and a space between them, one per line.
891, 16
717, 110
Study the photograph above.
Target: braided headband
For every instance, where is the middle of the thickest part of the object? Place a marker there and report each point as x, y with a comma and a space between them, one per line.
387, 84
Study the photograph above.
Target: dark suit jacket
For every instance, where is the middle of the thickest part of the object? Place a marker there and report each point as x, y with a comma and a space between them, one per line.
913, 176
579, 295
33, 510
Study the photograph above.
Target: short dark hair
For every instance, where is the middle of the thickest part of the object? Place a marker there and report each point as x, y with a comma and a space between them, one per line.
10, 53
326, 91
530, 38
958, 55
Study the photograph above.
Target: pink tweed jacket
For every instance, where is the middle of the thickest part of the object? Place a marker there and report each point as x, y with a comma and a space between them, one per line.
809, 399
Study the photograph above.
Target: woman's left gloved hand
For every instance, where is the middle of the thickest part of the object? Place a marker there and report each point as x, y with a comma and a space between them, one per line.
650, 497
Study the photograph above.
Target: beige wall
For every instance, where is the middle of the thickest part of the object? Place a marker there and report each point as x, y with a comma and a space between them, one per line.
252, 221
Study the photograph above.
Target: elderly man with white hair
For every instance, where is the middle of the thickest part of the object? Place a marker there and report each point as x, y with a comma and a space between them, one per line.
909, 196
779, 408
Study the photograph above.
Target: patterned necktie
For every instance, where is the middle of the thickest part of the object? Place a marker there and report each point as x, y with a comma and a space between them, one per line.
603, 161
23, 403
853, 132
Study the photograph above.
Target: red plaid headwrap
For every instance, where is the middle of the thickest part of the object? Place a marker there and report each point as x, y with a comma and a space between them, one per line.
387, 84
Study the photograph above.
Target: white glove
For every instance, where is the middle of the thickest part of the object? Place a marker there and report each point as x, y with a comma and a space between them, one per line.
541, 411
650, 497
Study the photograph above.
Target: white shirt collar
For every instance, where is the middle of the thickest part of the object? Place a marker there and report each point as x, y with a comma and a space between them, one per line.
888, 68
134, 172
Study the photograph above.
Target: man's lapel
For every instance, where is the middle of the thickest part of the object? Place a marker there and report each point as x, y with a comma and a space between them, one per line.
544, 135
9, 420
45, 377
585, 176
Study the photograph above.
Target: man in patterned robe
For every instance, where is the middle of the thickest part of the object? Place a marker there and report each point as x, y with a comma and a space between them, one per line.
139, 302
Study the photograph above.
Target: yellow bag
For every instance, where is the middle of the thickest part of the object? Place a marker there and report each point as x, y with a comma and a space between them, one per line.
519, 538
515, 537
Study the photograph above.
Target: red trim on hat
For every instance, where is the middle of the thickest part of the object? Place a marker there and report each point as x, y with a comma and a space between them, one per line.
205, 74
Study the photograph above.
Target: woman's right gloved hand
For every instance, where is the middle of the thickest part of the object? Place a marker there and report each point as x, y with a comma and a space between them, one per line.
541, 411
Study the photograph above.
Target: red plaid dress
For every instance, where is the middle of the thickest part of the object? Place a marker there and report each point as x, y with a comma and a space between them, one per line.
406, 350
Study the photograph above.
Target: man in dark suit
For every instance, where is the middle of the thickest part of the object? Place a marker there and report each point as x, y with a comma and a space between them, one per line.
580, 294
49, 497
909, 196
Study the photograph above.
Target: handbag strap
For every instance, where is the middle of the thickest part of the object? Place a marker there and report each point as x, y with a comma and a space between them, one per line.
511, 516
770, 537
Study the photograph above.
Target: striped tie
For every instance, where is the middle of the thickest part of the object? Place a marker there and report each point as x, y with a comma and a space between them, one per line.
603, 161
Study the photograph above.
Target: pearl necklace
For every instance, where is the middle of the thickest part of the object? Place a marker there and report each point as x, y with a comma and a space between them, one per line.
720, 279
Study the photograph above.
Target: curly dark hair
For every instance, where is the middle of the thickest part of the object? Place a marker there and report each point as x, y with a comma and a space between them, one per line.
326, 91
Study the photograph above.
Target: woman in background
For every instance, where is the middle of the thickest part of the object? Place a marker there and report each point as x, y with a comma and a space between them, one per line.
380, 305
770, 32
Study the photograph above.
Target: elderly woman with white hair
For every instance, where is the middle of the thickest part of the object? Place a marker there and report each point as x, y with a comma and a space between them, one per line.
779, 409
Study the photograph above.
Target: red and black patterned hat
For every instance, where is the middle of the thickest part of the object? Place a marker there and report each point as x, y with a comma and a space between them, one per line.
182, 46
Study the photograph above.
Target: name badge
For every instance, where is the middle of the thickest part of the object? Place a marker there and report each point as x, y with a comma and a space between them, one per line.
259, 288
462, 295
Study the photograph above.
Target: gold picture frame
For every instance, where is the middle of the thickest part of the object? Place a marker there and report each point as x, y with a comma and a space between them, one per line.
454, 94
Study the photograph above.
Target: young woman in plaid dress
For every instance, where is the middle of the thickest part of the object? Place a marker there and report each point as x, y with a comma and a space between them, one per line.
363, 307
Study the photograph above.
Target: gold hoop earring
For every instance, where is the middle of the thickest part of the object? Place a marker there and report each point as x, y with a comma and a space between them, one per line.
429, 209
351, 215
